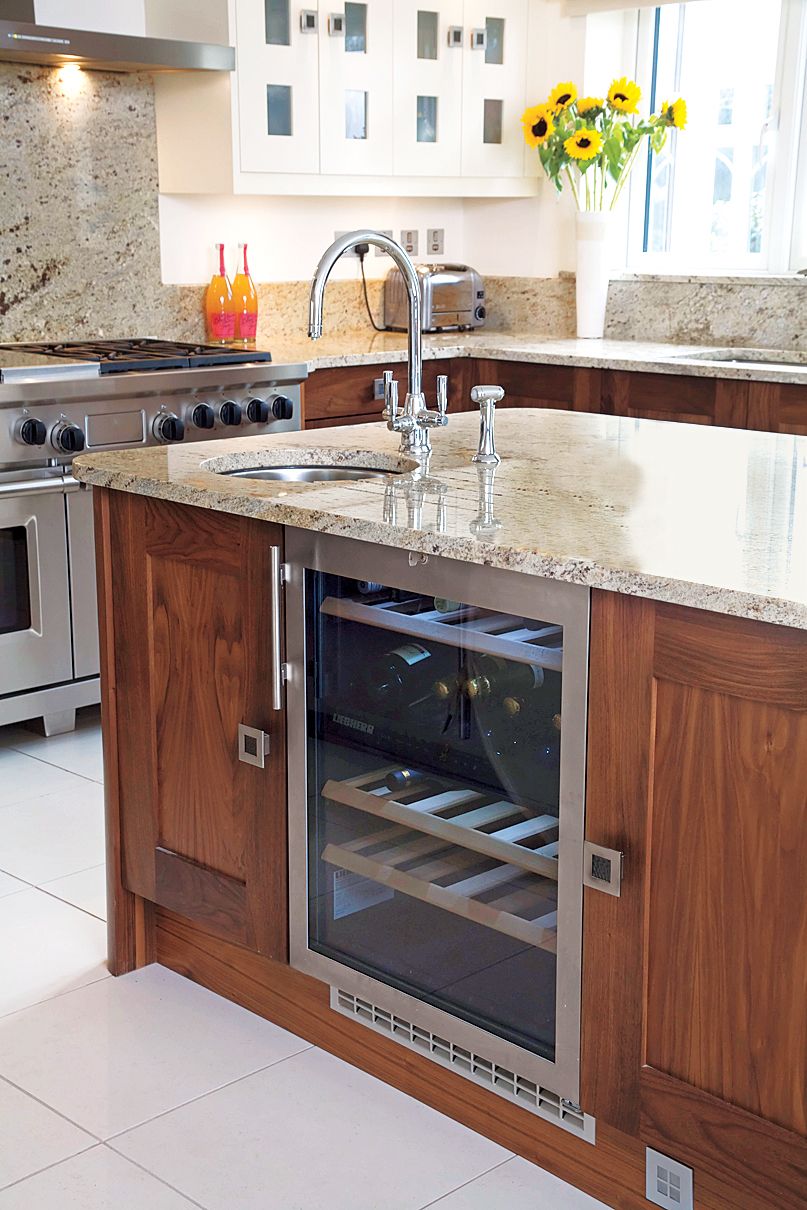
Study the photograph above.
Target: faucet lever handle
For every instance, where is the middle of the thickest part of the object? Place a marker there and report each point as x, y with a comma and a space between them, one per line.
387, 378
392, 398
487, 394
442, 394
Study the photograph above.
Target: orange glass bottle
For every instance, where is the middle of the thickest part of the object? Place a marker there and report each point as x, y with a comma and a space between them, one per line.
220, 305
246, 302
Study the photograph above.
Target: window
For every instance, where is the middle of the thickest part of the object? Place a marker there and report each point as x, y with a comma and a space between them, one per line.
722, 195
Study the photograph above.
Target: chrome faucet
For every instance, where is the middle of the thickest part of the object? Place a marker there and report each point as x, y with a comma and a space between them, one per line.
487, 398
414, 420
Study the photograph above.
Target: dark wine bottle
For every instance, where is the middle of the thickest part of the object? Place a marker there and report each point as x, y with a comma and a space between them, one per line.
492, 675
401, 676
404, 779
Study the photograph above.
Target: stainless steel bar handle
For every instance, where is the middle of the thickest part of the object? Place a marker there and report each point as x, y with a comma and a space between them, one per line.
278, 667
34, 487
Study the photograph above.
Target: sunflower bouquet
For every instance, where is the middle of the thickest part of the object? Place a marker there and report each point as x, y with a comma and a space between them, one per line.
592, 143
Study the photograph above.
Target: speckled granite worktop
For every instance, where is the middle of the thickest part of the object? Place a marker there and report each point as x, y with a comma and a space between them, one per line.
373, 348
706, 517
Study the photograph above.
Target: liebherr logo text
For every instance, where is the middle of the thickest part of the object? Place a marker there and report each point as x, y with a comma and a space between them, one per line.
345, 721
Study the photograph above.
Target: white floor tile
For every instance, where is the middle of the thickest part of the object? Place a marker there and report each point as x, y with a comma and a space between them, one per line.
85, 890
78, 751
517, 1185
55, 834
22, 778
32, 1137
96, 1180
46, 948
311, 1132
9, 885
118, 1053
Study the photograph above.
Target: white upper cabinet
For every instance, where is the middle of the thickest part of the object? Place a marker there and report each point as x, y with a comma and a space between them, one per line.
494, 83
355, 97
355, 88
277, 85
427, 75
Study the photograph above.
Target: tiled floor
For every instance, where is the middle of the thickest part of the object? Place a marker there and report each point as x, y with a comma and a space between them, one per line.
148, 1091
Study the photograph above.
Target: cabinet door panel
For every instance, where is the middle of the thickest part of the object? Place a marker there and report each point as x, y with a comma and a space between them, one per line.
355, 99
277, 88
202, 832
427, 88
493, 92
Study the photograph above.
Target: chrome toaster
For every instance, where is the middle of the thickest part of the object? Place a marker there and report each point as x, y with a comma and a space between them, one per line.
452, 296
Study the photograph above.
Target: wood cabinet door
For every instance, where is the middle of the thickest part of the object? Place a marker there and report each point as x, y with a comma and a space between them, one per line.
189, 608
695, 979
346, 395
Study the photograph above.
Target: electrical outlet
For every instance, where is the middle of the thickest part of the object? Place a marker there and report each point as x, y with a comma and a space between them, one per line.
380, 251
409, 242
351, 251
668, 1182
435, 241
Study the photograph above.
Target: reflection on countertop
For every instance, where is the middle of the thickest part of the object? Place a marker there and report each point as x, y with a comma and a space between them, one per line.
711, 518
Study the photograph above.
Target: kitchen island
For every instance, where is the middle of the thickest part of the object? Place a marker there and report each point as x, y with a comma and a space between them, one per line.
691, 543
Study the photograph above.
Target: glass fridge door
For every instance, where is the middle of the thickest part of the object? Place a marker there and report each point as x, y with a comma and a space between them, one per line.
435, 804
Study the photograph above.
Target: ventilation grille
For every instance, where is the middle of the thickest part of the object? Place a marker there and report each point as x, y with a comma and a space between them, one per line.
508, 1084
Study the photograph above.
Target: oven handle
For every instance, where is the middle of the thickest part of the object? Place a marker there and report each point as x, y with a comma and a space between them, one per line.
278, 573
39, 487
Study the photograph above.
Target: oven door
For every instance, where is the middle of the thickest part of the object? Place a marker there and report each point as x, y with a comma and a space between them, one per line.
35, 641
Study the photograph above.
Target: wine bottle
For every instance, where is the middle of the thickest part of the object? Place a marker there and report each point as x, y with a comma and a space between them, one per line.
219, 305
246, 302
366, 587
404, 779
446, 605
492, 674
401, 676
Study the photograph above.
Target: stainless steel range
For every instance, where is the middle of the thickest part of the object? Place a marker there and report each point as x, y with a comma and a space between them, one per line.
55, 401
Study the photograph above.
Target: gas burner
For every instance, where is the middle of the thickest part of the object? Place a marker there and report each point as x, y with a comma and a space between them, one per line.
126, 356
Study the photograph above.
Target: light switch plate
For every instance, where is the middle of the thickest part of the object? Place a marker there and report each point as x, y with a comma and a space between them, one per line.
668, 1182
409, 242
435, 241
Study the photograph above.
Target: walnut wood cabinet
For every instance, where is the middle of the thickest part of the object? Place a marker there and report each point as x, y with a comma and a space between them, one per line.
345, 395
695, 979
187, 657
694, 1007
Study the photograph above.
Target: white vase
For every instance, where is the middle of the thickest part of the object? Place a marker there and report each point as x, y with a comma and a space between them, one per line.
593, 270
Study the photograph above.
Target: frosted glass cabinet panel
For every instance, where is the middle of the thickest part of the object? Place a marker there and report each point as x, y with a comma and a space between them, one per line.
277, 84
493, 87
428, 88
355, 97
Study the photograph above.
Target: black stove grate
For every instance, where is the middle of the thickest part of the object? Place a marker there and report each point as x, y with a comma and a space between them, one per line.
123, 356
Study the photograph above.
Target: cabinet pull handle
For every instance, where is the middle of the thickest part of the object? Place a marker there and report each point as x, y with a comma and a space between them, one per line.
602, 868
278, 667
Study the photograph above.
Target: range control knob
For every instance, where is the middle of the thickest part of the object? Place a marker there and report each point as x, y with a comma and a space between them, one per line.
258, 411
230, 413
67, 438
282, 407
203, 416
168, 427
32, 432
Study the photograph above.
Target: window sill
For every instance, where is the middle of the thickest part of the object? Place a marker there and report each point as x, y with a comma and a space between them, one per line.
736, 278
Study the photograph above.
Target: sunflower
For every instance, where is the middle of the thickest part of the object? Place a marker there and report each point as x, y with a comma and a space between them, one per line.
624, 95
538, 125
562, 96
674, 113
583, 144
590, 105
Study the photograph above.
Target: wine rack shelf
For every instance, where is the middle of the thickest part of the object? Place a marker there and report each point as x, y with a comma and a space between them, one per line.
467, 627
436, 852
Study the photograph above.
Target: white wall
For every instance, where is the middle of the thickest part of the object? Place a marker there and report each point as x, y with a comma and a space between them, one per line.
509, 237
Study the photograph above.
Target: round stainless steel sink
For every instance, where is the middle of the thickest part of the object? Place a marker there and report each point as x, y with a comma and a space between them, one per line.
310, 474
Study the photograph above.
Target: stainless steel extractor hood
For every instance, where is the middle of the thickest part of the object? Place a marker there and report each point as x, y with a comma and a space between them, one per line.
23, 40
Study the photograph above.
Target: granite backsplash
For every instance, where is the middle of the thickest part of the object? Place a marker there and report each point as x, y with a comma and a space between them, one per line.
80, 248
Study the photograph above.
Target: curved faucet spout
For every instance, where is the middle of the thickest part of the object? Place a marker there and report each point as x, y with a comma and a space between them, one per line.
399, 256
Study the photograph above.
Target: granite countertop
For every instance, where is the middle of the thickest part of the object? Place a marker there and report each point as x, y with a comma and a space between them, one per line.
706, 517
374, 348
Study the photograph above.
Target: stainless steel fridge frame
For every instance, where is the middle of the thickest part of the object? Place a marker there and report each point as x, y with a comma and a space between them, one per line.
503, 591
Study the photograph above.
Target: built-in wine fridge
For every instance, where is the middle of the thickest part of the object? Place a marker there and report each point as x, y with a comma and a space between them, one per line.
436, 789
